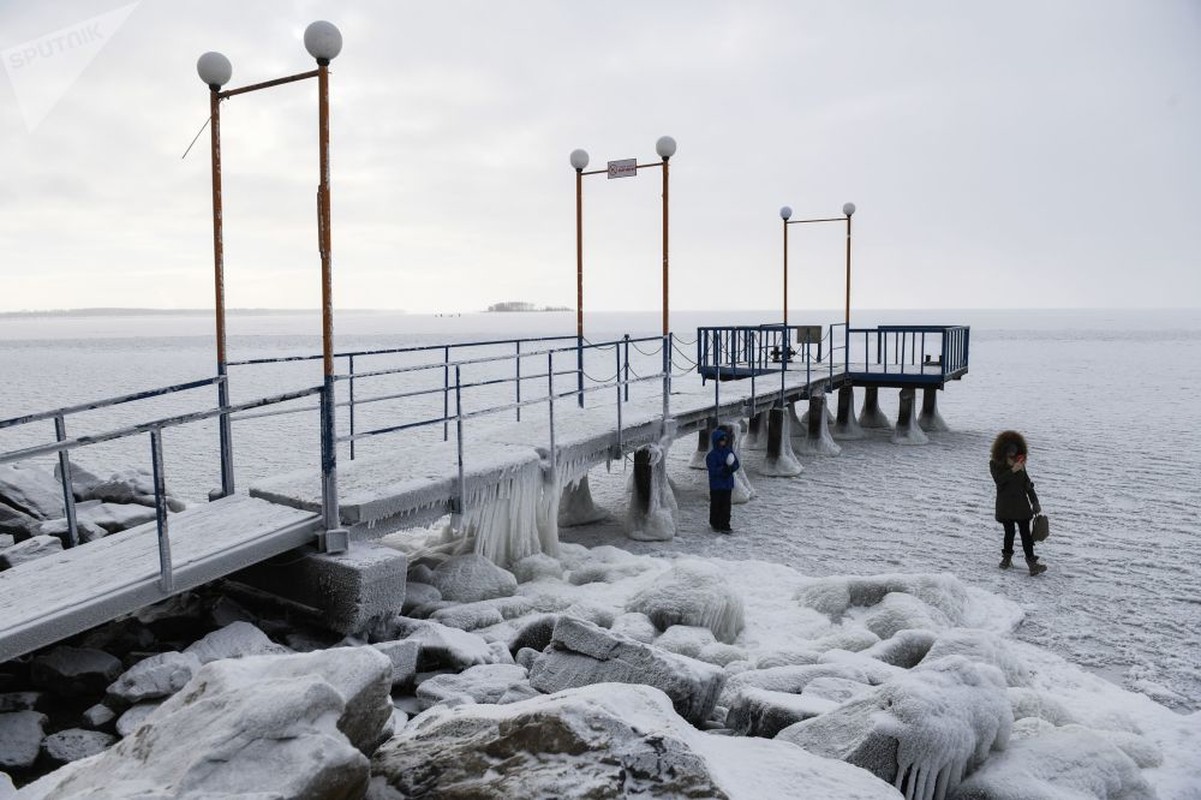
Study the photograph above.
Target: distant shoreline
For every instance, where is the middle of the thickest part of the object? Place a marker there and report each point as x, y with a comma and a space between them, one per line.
184, 312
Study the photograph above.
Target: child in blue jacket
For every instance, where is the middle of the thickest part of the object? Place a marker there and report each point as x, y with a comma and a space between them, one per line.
722, 464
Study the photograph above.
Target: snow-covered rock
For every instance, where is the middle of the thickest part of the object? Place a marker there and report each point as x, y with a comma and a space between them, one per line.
905, 648
692, 593
75, 743
981, 646
113, 517
791, 679
538, 566
30, 549
636, 625
419, 594
7, 790
760, 712
403, 655
686, 640
1068, 762
85, 529
598, 741
468, 617
486, 683
158, 676
134, 716
898, 611
19, 701
98, 716
16, 526
294, 726
236, 640
581, 654
31, 490
446, 648
470, 578
922, 732
21, 734
134, 486
74, 671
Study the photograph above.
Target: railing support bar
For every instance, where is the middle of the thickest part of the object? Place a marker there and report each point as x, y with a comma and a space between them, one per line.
64, 468
166, 578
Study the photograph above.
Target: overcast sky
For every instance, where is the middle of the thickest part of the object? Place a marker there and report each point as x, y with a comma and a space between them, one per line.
1001, 154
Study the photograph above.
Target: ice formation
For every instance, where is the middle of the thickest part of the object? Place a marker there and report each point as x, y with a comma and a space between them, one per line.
824, 444
908, 431
786, 464
692, 593
576, 506
657, 523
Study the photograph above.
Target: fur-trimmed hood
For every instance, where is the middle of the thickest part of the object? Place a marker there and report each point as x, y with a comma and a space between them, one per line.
1004, 440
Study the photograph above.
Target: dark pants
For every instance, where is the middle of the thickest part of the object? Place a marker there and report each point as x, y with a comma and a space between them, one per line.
719, 508
1022, 525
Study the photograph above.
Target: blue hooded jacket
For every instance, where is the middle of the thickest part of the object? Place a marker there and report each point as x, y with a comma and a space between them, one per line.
721, 474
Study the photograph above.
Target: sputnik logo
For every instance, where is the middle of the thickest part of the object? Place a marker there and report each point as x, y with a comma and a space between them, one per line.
43, 70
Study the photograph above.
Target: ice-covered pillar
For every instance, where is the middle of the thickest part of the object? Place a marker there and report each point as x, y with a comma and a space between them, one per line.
576, 506
781, 461
652, 510
846, 426
702, 445
907, 430
817, 440
871, 416
743, 491
929, 419
755, 434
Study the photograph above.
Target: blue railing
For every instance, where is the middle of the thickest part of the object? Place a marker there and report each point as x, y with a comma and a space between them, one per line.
483, 385
910, 353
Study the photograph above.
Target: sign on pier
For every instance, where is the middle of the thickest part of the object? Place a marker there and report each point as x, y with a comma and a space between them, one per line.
623, 168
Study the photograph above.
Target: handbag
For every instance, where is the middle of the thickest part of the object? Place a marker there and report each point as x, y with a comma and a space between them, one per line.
1041, 529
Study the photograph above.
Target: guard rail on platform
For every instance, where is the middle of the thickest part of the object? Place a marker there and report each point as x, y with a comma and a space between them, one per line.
907, 354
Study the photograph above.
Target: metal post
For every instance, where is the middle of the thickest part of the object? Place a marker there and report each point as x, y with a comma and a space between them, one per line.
224, 428
666, 328
446, 392
847, 316
166, 580
627, 366
785, 273
462, 503
667, 344
550, 398
329, 454
518, 380
351, 359
579, 281
64, 468
617, 358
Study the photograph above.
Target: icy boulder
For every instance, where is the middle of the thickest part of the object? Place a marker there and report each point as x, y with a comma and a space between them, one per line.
74, 671
922, 732
159, 675
945, 601
31, 490
30, 549
446, 648
486, 683
692, 593
471, 578
236, 640
134, 486
984, 647
598, 741
16, 526
74, 744
1068, 762
581, 654
536, 567
759, 712
271, 726
21, 734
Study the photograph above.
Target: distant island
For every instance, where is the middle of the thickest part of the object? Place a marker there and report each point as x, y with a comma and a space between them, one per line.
518, 305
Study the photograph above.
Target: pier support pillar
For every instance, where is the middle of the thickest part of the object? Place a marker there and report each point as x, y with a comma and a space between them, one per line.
743, 491
907, 430
817, 439
703, 445
846, 426
871, 416
758, 432
346, 591
929, 419
781, 461
652, 512
576, 506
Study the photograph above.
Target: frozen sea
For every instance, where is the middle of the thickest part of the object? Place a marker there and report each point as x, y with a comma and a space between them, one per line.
1105, 399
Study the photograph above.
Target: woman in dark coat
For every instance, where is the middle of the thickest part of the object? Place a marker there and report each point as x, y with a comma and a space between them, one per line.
1016, 501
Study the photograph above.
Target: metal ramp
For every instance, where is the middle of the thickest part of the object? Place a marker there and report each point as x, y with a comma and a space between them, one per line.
51, 598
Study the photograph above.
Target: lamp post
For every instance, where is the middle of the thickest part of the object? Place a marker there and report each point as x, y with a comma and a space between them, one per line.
786, 215
665, 147
848, 209
323, 41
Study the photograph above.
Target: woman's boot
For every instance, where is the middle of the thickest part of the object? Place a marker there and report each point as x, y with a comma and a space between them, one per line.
1036, 568
1006, 560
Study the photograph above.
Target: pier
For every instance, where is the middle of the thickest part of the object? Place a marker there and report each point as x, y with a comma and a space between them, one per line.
512, 423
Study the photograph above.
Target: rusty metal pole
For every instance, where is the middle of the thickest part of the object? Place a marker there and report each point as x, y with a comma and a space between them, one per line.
329, 453
666, 327
847, 315
223, 425
785, 273
579, 280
